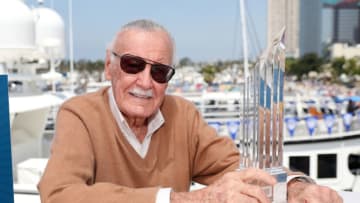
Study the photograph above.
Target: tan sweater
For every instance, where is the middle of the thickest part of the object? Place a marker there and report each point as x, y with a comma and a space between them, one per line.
91, 160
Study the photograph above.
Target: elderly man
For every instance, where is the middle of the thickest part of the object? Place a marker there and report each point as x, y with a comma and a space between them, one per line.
132, 143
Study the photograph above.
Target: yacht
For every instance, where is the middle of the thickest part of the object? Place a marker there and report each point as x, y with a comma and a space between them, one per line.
32, 44
324, 145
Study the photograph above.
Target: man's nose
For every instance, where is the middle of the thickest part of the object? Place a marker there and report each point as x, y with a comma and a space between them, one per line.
144, 77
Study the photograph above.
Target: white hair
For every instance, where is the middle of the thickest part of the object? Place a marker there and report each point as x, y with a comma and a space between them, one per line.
144, 25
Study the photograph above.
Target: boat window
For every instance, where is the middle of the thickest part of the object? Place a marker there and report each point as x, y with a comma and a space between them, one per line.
327, 166
354, 163
300, 163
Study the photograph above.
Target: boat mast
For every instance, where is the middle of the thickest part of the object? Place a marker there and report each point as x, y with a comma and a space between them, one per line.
245, 138
71, 52
244, 38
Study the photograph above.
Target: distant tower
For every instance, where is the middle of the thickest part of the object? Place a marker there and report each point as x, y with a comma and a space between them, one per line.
302, 19
310, 26
284, 13
346, 27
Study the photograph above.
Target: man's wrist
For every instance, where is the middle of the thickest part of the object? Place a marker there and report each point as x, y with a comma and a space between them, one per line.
296, 184
188, 197
299, 178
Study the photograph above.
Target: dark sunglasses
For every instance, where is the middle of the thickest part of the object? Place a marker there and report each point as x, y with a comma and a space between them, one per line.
131, 64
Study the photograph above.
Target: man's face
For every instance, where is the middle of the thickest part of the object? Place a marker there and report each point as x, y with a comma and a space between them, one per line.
138, 95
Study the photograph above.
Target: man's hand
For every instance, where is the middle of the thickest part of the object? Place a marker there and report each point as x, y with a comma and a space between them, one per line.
237, 186
311, 193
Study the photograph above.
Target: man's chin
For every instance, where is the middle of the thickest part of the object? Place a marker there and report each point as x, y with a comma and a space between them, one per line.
138, 114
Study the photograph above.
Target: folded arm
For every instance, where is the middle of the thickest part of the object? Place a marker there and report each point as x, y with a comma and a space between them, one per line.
71, 171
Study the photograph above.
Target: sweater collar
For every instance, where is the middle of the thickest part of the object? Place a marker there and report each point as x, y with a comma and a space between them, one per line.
155, 122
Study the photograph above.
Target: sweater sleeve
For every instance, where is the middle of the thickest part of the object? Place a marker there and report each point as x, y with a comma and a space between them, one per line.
70, 172
213, 155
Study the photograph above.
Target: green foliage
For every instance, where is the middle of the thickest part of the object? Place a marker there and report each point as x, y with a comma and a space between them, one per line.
337, 65
296, 67
351, 67
208, 73
186, 61
311, 62
64, 66
302, 66
290, 65
82, 66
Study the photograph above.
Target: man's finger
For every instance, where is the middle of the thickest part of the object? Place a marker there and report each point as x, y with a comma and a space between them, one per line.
251, 174
255, 192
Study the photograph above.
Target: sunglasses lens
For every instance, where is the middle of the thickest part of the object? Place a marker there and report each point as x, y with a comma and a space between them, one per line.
132, 64
160, 72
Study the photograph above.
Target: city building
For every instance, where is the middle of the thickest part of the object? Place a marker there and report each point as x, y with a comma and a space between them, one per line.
346, 22
344, 50
302, 19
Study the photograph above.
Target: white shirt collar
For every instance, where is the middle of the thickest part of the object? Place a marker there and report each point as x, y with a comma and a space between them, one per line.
155, 123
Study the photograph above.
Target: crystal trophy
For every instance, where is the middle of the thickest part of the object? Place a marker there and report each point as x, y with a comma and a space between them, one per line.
261, 136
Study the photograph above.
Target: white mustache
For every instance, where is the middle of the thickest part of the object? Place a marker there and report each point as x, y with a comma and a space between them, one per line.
141, 92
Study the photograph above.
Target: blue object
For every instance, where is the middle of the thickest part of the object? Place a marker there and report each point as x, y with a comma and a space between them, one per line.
233, 127
281, 91
354, 98
6, 179
311, 123
268, 97
347, 118
262, 96
275, 84
329, 121
291, 123
338, 99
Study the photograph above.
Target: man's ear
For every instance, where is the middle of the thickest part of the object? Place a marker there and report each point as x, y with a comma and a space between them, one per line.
107, 65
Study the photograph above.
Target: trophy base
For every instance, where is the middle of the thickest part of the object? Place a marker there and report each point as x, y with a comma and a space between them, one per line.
278, 192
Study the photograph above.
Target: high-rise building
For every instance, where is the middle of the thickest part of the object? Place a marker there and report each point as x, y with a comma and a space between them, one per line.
302, 19
346, 22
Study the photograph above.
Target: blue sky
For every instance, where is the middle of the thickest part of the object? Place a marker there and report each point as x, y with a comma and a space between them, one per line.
204, 30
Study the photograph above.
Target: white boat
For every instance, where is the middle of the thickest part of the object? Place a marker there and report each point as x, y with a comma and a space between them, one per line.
330, 158
30, 40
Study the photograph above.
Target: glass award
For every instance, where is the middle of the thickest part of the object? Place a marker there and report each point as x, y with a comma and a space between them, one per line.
261, 136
